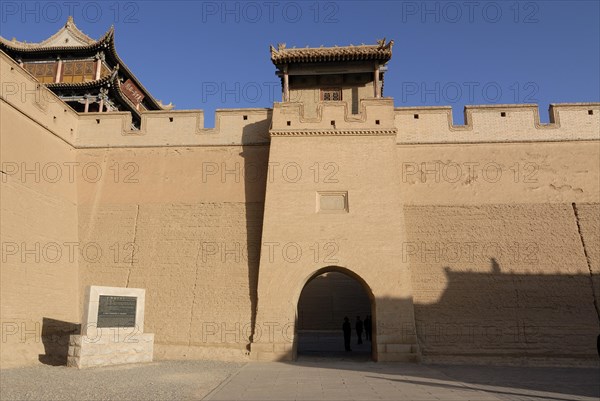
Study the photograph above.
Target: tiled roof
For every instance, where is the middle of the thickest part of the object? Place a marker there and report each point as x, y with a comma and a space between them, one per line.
84, 45
110, 78
381, 51
69, 37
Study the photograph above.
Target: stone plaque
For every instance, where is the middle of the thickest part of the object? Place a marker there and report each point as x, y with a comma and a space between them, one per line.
116, 311
332, 202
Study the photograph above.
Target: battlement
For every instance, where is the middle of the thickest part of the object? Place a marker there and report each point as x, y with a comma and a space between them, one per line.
498, 123
376, 116
175, 128
24, 93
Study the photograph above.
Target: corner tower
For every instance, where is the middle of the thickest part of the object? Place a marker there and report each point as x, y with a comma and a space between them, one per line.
332, 202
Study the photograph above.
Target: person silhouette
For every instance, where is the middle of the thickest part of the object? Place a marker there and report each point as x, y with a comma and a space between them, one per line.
368, 328
359, 329
347, 329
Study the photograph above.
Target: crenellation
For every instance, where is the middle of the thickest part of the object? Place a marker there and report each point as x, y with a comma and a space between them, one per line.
498, 123
483, 123
174, 128
375, 114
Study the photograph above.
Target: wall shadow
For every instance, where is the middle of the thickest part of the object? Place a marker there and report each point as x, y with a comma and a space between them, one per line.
499, 316
255, 152
55, 337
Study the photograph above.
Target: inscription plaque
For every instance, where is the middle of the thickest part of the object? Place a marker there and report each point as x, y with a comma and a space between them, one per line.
132, 92
116, 311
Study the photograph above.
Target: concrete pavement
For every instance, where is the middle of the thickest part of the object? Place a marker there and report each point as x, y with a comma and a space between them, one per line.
338, 379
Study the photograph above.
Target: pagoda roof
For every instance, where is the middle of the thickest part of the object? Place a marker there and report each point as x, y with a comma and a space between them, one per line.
71, 40
381, 51
69, 37
110, 82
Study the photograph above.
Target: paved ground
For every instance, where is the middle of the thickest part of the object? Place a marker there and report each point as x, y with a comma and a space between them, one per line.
329, 379
311, 378
166, 380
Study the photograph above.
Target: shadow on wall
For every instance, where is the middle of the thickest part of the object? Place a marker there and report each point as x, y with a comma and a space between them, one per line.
522, 317
255, 184
504, 318
55, 337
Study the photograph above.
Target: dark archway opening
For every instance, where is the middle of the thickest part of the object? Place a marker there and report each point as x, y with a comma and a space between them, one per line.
324, 302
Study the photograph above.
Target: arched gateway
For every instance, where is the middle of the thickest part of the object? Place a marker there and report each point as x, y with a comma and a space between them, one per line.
330, 295
332, 197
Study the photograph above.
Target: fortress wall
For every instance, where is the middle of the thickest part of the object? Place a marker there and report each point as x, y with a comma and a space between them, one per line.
470, 174
189, 200
39, 276
497, 281
589, 225
501, 174
189, 215
166, 202
498, 266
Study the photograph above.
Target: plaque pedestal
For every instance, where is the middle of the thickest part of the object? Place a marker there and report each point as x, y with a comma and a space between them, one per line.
109, 349
112, 331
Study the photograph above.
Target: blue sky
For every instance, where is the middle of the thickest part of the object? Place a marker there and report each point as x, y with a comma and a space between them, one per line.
214, 54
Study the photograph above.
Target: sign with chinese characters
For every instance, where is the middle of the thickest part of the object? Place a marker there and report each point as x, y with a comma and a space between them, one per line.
116, 311
132, 92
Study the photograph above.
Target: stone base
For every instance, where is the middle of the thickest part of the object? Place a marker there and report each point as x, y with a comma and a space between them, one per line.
398, 353
85, 352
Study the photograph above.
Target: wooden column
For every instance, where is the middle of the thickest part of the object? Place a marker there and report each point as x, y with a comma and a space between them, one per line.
98, 68
286, 84
376, 81
58, 71
87, 104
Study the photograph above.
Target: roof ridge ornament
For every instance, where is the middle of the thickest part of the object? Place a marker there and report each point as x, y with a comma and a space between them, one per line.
383, 46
